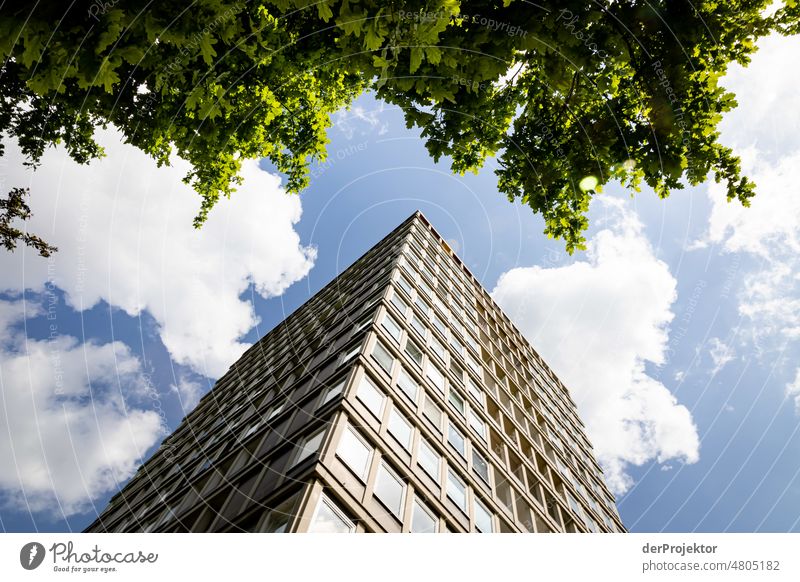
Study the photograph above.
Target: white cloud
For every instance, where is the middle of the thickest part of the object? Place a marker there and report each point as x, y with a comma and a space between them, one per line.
793, 390
69, 434
189, 392
357, 118
597, 322
772, 221
721, 354
766, 117
764, 131
124, 232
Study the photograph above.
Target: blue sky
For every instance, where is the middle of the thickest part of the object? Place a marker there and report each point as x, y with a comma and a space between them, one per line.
677, 330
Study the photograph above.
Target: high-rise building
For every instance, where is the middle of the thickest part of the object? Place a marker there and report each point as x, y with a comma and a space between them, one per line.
399, 398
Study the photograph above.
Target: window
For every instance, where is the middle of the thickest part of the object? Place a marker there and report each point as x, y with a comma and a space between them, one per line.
472, 342
400, 428
575, 506
432, 412
364, 323
418, 326
414, 352
480, 465
279, 518
404, 284
438, 324
407, 385
329, 519
476, 424
483, 518
435, 376
458, 371
475, 391
392, 327
423, 306
457, 490
456, 401
383, 357
276, 410
427, 272
422, 519
309, 447
398, 302
429, 460
350, 355
355, 452
390, 489
254, 427
456, 439
473, 364
425, 288
372, 398
438, 348
333, 392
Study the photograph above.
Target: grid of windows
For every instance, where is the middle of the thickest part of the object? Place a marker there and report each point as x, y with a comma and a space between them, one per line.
474, 394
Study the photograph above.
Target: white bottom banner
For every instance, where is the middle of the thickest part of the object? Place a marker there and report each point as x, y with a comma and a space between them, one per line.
469, 557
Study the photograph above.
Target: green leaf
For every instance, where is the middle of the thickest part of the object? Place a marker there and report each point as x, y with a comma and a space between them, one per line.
207, 49
416, 59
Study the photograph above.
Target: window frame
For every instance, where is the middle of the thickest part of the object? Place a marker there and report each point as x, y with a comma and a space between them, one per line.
363, 442
385, 469
396, 416
423, 442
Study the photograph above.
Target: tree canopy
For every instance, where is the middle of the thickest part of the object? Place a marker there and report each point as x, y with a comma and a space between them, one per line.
568, 95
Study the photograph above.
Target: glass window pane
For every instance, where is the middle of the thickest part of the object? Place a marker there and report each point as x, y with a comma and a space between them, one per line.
456, 401
480, 466
392, 327
422, 304
398, 302
429, 460
309, 447
418, 326
438, 348
422, 519
425, 288
328, 519
400, 428
438, 324
278, 519
475, 391
477, 424
483, 518
333, 392
433, 412
407, 385
456, 439
383, 357
354, 452
435, 376
456, 490
372, 398
473, 364
404, 284
414, 352
390, 490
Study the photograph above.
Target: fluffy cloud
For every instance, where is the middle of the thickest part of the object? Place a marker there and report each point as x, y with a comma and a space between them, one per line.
69, 435
721, 354
597, 322
357, 118
763, 131
189, 392
124, 232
